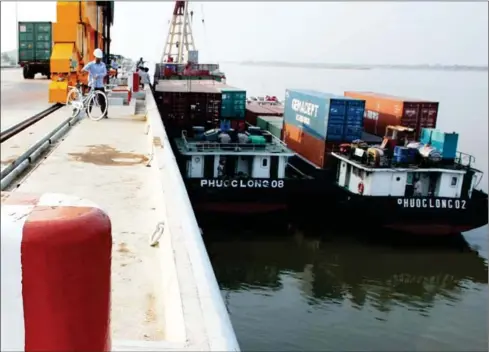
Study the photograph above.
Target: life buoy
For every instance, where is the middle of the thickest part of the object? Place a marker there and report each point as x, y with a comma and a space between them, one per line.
360, 188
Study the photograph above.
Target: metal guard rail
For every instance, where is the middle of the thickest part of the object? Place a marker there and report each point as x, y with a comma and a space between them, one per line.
16, 129
216, 146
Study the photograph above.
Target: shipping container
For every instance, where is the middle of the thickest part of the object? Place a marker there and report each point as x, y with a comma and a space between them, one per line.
254, 109
263, 121
35, 47
445, 143
233, 103
193, 56
35, 41
325, 116
316, 151
382, 110
275, 127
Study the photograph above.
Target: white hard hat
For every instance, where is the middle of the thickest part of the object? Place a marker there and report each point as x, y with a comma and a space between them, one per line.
98, 53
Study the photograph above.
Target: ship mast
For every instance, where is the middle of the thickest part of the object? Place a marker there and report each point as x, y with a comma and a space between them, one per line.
180, 38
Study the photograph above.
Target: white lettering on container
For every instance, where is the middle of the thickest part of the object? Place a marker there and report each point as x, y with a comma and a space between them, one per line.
304, 108
371, 115
242, 183
420, 203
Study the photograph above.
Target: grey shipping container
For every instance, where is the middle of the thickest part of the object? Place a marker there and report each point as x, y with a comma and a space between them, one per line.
193, 56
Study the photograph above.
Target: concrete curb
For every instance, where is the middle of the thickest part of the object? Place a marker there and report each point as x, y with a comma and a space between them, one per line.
205, 317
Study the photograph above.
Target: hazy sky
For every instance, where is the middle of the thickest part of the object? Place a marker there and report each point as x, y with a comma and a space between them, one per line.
382, 32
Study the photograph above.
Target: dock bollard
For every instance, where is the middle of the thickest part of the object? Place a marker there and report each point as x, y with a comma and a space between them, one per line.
55, 267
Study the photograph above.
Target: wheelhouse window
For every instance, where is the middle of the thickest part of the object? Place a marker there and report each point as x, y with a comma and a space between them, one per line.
454, 181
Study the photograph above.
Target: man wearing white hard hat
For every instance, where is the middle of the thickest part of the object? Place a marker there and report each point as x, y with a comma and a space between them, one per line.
96, 74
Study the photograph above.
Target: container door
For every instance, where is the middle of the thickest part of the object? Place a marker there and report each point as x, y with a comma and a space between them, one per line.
411, 115
43, 41
26, 42
428, 115
336, 120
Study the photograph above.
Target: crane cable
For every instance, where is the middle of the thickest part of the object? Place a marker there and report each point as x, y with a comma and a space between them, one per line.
206, 40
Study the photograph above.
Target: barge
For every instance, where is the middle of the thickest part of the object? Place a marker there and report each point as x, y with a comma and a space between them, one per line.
227, 165
235, 156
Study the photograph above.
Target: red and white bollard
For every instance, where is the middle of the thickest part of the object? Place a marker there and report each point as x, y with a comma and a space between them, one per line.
55, 267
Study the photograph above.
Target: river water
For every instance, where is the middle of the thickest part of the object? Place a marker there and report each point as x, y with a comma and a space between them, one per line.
292, 291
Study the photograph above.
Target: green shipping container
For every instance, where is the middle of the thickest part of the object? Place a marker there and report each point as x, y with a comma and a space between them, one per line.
263, 121
275, 128
233, 105
35, 41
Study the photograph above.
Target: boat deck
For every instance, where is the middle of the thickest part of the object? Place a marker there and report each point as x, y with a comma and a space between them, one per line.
410, 168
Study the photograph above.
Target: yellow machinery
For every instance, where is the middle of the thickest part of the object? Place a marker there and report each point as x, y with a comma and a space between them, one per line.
80, 28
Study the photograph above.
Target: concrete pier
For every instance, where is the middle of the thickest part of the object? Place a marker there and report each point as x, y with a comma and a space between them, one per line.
164, 297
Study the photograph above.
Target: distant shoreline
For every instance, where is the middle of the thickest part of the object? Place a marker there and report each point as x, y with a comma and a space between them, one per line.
365, 67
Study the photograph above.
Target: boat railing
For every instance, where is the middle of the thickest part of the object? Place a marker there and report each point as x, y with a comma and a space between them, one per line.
464, 160
211, 146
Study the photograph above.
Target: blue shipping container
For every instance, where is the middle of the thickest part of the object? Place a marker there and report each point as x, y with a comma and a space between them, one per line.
425, 137
445, 143
324, 116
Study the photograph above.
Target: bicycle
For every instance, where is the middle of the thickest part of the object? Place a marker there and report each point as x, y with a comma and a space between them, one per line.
87, 103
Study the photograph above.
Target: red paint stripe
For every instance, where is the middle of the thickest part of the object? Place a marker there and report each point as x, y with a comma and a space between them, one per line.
66, 257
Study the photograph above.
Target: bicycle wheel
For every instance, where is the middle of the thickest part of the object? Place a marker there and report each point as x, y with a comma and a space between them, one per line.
94, 108
74, 99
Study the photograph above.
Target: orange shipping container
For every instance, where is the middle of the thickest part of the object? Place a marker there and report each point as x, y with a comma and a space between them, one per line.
311, 148
382, 110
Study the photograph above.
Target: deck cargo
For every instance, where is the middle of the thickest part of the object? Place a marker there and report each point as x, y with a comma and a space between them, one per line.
382, 110
276, 128
325, 116
276, 108
272, 124
314, 149
183, 104
254, 109
445, 143
264, 121
233, 103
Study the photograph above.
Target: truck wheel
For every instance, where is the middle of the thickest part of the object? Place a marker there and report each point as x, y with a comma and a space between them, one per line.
25, 72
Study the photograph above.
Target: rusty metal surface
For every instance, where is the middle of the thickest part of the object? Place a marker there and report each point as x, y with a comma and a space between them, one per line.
182, 86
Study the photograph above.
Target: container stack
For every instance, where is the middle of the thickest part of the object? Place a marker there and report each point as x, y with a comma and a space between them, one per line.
382, 110
315, 121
